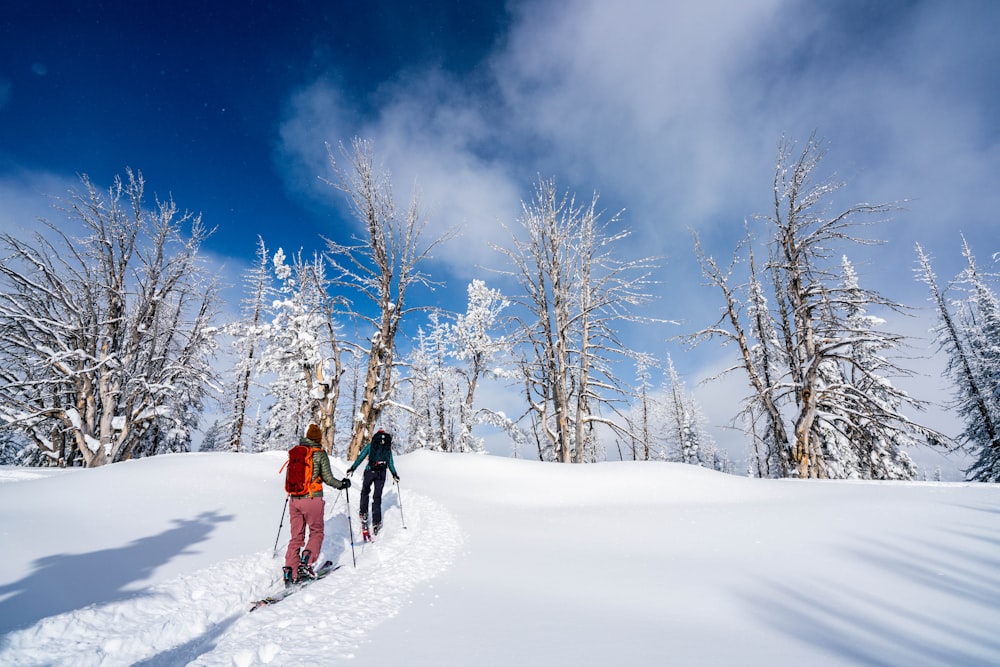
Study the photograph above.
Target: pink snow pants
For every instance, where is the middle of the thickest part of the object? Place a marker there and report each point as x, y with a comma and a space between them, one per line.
303, 513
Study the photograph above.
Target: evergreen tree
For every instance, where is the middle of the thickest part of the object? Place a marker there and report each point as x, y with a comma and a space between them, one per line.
477, 350
969, 338
644, 440
684, 423
290, 356
246, 344
432, 389
215, 439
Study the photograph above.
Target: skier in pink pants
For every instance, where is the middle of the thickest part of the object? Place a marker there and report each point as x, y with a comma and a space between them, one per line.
306, 509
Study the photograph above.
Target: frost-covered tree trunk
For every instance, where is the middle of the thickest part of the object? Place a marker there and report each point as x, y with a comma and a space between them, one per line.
325, 387
106, 336
575, 296
382, 266
768, 358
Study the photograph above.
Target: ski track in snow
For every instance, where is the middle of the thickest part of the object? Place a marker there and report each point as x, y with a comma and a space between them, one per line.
203, 619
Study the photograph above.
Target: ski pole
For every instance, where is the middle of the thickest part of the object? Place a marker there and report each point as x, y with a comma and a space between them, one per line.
336, 500
280, 525
400, 499
350, 526
339, 494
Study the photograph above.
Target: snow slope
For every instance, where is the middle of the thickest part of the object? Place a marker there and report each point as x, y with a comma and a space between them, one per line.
502, 562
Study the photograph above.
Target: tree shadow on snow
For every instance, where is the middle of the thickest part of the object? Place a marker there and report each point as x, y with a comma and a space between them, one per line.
898, 623
65, 582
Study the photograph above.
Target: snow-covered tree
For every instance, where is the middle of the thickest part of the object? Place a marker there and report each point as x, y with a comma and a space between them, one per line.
979, 314
751, 328
246, 335
106, 338
642, 437
381, 266
970, 339
12, 446
684, 424
817, 365
216, 438
433, 388
876, 431
478, 352
446, 365
575, 296
292, 353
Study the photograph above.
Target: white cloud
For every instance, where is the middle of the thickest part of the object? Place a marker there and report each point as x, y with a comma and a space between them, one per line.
673, 111
28, 196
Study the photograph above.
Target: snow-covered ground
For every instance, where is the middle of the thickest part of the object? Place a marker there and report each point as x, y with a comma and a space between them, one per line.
502, 562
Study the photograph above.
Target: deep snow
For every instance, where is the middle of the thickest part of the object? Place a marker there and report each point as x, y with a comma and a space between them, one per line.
502, 562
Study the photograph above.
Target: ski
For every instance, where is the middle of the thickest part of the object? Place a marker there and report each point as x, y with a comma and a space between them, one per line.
325, 569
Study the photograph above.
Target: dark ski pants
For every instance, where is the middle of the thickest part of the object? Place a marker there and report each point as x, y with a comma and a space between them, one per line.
374, 478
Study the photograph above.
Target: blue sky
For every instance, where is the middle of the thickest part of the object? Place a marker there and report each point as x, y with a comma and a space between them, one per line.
671, 111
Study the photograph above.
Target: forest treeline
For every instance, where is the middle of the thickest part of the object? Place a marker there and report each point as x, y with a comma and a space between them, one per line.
109, 337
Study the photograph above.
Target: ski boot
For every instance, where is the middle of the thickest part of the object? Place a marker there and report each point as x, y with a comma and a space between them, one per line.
378, 527
286, 575
365, 535
305, 570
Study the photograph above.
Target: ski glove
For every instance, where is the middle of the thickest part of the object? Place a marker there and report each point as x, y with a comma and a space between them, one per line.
346, 483
395, 478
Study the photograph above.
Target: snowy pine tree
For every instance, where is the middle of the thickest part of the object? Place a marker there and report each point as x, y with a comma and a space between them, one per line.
433, 388
246, 341
215, 438
291, 354
969, 338
644, 432
478, 353
684, 424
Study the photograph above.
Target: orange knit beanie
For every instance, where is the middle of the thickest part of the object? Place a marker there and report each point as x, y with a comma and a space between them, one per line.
314, 433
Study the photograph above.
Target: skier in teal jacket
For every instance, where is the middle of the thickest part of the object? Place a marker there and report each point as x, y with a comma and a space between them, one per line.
379, 455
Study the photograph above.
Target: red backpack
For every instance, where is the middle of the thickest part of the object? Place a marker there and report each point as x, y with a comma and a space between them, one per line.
299, 471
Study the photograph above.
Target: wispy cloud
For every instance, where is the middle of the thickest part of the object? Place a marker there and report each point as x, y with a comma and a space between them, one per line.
673, 111
29, 196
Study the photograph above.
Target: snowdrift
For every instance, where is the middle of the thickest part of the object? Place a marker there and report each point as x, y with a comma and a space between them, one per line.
501, 562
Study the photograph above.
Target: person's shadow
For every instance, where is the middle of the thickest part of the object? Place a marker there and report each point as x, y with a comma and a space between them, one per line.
65, 582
